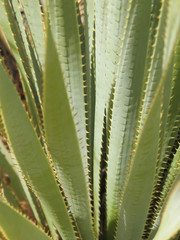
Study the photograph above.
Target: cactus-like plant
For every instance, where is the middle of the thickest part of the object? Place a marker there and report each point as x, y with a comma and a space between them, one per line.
89, 119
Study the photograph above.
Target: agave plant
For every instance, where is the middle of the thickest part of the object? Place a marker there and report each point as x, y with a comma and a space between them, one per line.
89, 119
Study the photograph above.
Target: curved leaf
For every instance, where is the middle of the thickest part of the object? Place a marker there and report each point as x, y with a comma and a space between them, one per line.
17, 183
63, 141
34, 17
32, 159
126, 101
170, 222
16, 226
16, 48
65, 30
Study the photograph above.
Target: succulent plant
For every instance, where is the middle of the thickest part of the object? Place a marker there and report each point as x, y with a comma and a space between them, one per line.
90, 119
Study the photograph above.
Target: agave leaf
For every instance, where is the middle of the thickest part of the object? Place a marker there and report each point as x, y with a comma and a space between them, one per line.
136, 197
63, 141
128, 196
35, 22
109, 34
89, 76
100, 22
172, 30
13, 180
30, 49
17, 182
170, 114
116, 24
175, 102
157, 198
16, 226
8, 195
89, 16
173, 122
30, 156
67, 38
16, 38
126, 101
166, 99
171, 177
169, 129
154, 60
15, 44
37, 70
170, 222
89, 9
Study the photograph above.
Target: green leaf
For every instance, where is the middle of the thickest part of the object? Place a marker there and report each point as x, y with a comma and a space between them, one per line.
17, 182
7, 168
173, 111
32, 59
89, 76
30, 156
169, 120
63, 141
89, 9
154, 58
65, 29
126, 100
100, 30
170, 222
16, 226
134, 204
137, 194
166, 99
173, 120
172, 30
162, 163
35, 22
16, 47
171, 176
